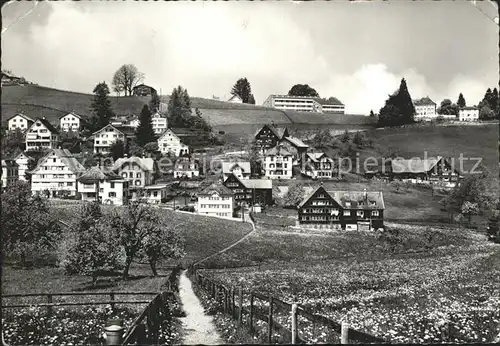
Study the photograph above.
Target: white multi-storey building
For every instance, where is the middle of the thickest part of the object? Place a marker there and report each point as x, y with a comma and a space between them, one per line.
56, 173
468, 114
216, 200
278, 163
186, 167
23, 161
160, 123
305, 104
10, 172
106, 187
169, 142
70, 122
41, 135
19, 121
139, 172
425, 109
105, 137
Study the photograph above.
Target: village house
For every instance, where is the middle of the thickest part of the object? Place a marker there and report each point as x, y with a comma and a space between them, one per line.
23, 160
295, 146
56, 174
139, 172
109, 134
155, 194
41, 135
250, 191
160, 123
269, 136
425, 109
70, 122
104, 186
346, 210
216, 200
318, 166
143, 90
186, 167
169, 142
10, 173
435, 170
235, 99
240, 169
278, 163
468, 114
19, 121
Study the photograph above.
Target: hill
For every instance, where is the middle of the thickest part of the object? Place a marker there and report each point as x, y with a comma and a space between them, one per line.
35, 101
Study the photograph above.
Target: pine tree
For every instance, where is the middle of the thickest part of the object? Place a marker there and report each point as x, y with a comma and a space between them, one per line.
251, 99
145, 133
101, 107
461, 101
371, 113
496, 102
398, 109
242, 89
179, 108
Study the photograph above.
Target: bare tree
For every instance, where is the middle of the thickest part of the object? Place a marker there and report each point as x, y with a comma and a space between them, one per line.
126, 78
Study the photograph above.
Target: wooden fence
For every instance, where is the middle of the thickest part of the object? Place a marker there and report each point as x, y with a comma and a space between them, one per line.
230, 301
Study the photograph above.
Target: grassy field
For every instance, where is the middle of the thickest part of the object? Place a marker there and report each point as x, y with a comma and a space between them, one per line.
447, 290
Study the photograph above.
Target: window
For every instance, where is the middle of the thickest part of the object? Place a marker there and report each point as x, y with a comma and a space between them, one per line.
155, 194
375, 213
70, 184
112, 194
347, 213
360, 213
112, 185
124, 174
137, 182
138, 175
130, 174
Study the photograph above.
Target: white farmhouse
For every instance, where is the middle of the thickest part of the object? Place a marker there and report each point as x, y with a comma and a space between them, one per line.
23, 161
41, 135
216, 200
139, 172
160, 123
19, 121
468, 114
235, 99
70, 122
278, 163
425, 109
106, 187
105, 137
9, 173
241, 169
56, 174
186, 167
169, 142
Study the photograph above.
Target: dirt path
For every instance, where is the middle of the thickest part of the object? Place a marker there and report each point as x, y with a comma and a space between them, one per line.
198, 327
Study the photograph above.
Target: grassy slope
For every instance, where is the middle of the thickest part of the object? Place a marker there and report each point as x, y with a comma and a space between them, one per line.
447, 141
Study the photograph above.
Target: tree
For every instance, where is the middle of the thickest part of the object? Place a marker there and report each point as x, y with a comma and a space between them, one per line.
154, 103
29, 229
398, 109
495, 102
448, 108
117, 150
302, 90
485, 112
101, 108
126, 78
251, 99
162, 242
152, 148
276, 193
179, 107
145, 132
12, 142
461, 101
294, 195
345, 137
468, 209
243, 90
492, 101
255, 159
360, 139
323, 139
371, 113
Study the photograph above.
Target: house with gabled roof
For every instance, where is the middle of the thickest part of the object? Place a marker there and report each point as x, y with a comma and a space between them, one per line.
468, 114
139, 171
56, 174
240, 169
169, 142
159, 122
23, 160
186, 167
109, 134
104, 186
19, 121
216, 200
318, 165
42, 135
70, 122
278, 163
250, 191
346, 210
235, 99
425, 109
10, 173
269, 135
435, 170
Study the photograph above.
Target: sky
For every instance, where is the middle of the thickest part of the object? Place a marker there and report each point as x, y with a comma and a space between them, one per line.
355, 51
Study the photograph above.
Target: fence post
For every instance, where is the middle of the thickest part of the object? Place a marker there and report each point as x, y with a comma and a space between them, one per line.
112, 298
344, 337
270, 317
49, 301
251, 314
294, 323
240, 310
233, 306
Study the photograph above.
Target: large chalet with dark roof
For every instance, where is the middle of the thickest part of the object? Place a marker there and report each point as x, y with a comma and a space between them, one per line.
347, 210
318, 166
250, 191
269, 136
435, 170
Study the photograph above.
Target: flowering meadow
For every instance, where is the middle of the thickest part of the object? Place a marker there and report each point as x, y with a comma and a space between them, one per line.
446, 292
